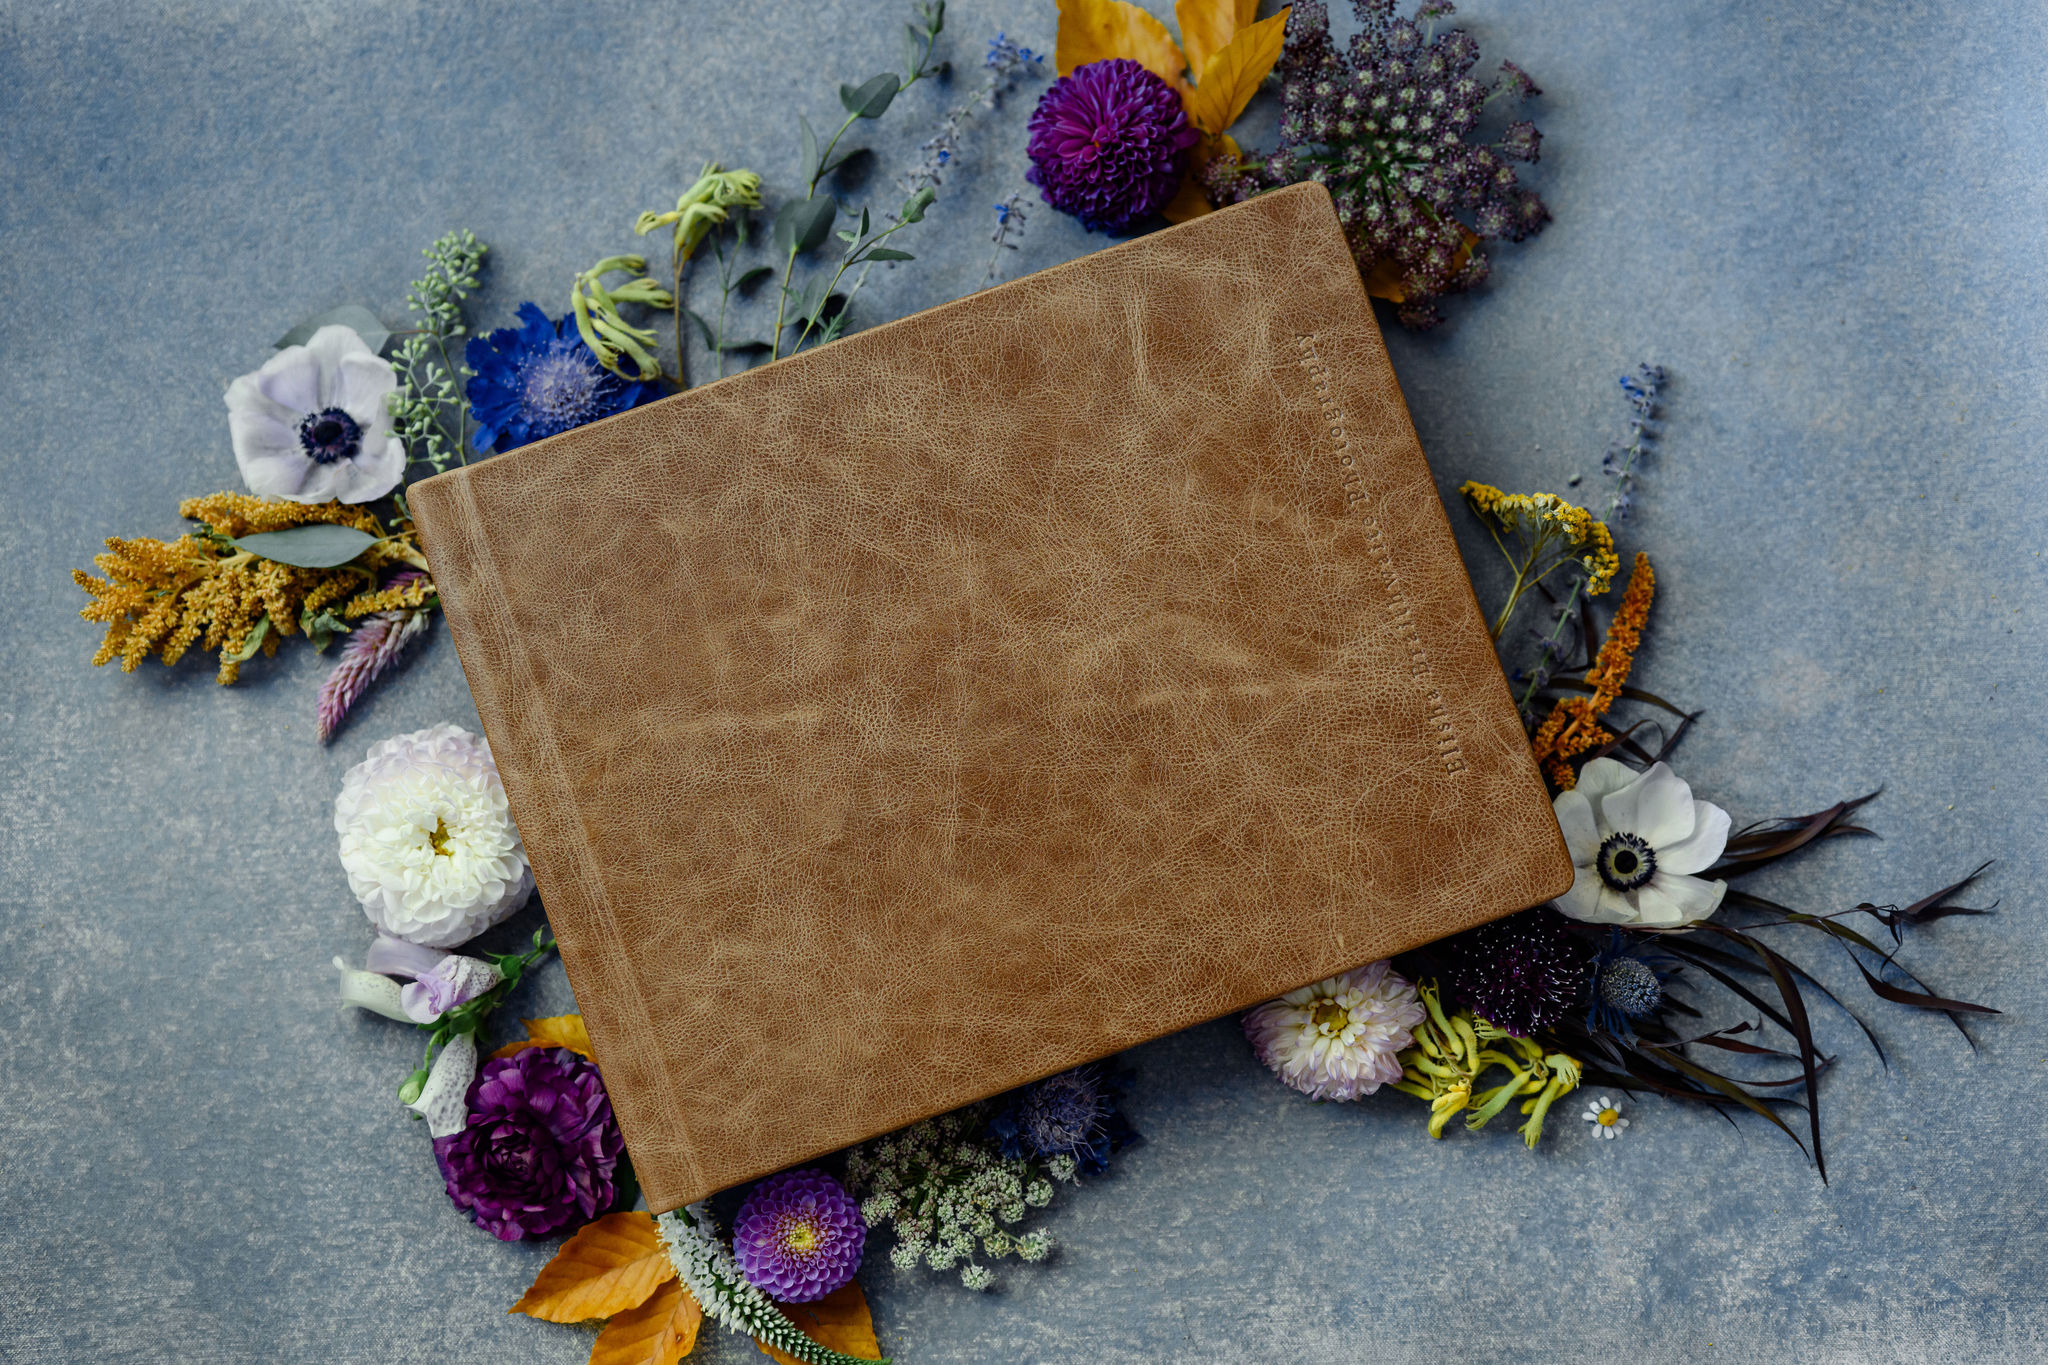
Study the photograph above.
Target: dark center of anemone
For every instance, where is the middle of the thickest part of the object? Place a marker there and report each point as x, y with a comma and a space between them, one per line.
1631, 987
1626, 861
560, 387
329, 435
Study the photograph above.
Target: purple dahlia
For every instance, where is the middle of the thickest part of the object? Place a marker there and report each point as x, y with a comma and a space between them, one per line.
799, 1236
1110, 144
541, 1149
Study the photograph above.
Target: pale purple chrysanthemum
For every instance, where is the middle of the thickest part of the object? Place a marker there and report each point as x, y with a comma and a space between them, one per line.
367, 654
1337, 1039
799, 1236
1110, 144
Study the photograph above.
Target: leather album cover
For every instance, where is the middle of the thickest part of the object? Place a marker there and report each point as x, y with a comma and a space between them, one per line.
988, 692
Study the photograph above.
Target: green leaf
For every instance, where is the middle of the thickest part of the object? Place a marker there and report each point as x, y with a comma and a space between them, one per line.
840, 160
805, 224
353, 315
812, 299
753, 277
703, 327
916, 204
809, 170
254, 642
889, 253
873, 98
317, 545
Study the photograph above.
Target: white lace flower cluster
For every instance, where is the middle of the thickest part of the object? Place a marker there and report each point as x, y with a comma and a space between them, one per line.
428, 840
950, 1199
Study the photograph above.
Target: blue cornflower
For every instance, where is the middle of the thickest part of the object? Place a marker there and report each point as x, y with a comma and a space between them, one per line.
539, 379
1074, 1114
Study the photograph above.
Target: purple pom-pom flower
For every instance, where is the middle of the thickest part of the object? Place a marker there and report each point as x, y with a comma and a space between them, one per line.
799, 1236
1110, 144
540, 1150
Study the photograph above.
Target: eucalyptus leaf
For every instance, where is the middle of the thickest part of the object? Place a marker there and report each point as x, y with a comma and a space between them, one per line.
803, 225
811, 300
889, 253
375, 334
916, 204
253, 643
809, 171
873, 98
317, 545
836, 162
753, 277
703, 327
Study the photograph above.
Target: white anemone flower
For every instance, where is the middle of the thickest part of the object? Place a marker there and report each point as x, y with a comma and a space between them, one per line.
1636, 839
428, 840
313, 424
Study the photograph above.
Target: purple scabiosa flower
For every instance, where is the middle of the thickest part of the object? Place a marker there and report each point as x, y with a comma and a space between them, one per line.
1109, 144
1074, 1114
799, 1236
539, 379
1520, 973
540, 1150
1340, 1038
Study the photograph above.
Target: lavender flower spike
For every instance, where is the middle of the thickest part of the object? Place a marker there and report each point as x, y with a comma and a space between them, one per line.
368, 653
455, 980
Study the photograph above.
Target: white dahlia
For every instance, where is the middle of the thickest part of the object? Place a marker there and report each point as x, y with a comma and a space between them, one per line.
427, 839
1337, 1039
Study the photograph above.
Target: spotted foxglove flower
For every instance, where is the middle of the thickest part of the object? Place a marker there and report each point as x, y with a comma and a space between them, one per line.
427, 839
454, 980
1337, 1039
312, 425
1636, 840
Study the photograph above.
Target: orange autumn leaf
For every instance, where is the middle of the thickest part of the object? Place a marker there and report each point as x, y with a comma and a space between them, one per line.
1230, 78
609, 1266
659, 1332
562, 1030
1096, 30
1206, 25
1192, 201
840, 1321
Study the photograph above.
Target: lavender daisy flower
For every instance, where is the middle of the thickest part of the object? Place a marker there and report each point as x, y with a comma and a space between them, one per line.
799, 1236
1109, 144
1340, 1038
537, 380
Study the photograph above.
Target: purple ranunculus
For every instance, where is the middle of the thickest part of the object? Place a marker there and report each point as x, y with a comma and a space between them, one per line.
1109, 144
799, 1236
540, 1150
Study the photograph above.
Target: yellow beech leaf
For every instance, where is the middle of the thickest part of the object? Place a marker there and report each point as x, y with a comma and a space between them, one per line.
608, 1267
1247, 10
1096, 30
1191, 202
840, 1321
1206, 25
1231, 77
659, 1332
563, 1030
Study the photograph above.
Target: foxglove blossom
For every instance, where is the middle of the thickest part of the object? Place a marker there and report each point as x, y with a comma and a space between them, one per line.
443, 1101
453, 981
427, 839
313, 425
1636, 839
370, 991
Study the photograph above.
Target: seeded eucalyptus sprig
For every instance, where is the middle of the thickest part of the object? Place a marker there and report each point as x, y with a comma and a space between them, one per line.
428, 409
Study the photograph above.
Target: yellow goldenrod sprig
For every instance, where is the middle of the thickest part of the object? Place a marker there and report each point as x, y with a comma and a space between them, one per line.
1551, 532
1452, 1051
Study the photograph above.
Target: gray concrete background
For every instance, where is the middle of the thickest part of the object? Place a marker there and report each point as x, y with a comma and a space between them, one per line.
1825, 218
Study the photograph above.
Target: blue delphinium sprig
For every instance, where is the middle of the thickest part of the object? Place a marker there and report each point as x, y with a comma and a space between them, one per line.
1642, 389
1009, 227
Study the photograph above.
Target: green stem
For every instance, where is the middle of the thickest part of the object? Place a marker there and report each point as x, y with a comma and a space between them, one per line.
676, 292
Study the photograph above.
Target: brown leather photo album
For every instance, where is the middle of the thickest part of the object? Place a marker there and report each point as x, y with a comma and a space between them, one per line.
988, 692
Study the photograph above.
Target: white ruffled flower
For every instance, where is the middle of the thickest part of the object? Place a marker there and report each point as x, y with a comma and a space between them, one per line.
313, 423
1636, 839
1337, 1039
427, 839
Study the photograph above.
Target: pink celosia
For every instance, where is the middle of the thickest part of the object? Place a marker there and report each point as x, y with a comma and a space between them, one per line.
1337, 1039
368, 652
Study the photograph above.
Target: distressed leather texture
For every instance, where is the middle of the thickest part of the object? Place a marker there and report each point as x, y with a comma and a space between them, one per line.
988, 692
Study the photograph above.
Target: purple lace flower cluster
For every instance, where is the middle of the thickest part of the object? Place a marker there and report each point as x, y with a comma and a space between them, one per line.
1385, 127
1110, 144
540, 1150
799, 1236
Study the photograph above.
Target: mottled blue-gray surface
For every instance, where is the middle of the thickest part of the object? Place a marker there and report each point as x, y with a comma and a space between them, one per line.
1827, 219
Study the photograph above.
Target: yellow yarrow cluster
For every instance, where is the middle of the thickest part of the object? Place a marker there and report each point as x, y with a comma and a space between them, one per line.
1548, 519
1452, 1051
163, 597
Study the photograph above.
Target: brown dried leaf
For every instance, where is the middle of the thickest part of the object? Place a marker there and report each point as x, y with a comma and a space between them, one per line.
609, 1266
840, 1321
659, 1332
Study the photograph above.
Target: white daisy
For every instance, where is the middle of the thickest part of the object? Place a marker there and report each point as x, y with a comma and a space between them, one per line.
1636, 839
1605, 1116
313, 423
